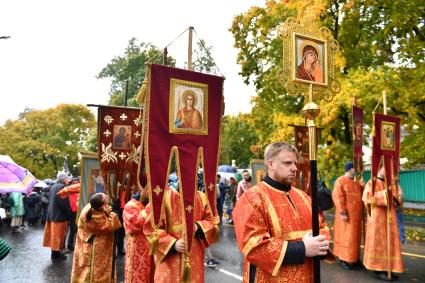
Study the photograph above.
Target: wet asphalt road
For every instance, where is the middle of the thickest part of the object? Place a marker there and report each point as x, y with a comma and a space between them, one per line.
30, 262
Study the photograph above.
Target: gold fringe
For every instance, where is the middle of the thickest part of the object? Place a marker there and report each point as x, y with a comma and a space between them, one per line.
186, 270
154, 242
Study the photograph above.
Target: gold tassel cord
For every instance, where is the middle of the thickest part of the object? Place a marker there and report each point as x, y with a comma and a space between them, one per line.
143, 90
186, 270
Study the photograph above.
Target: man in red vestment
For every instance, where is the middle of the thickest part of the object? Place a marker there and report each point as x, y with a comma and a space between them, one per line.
169, 255
273, 223
347, 197
382, 223
137, 258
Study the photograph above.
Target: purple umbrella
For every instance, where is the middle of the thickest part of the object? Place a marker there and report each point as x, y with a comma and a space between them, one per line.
14, 178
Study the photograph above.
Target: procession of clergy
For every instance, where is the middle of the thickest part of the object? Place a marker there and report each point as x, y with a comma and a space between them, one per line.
272, 225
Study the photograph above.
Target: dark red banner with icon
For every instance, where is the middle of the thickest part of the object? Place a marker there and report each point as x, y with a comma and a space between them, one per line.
119, 137
183, 118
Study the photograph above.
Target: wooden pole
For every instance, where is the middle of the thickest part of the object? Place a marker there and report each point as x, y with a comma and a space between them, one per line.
384, 102
189, 51
126, 93
164, 56
384, 99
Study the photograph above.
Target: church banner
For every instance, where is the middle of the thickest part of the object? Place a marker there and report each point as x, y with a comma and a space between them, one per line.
358, 139
183, 118
119, 136
386, 151
302, 181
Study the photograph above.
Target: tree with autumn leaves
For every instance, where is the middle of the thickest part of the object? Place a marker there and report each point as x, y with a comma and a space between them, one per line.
382, 48
43, 140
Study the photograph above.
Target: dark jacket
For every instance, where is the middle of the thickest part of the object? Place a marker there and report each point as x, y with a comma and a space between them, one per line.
59, 208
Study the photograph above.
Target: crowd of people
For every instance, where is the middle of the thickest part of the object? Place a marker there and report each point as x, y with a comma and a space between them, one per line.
24, 210
272, 222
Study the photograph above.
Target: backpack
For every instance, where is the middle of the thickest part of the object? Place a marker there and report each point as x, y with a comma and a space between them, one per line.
324, 196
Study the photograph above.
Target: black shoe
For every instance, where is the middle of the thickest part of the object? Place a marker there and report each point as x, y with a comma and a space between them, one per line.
211, 263
58, 258
383, 276
358, 265
345, 265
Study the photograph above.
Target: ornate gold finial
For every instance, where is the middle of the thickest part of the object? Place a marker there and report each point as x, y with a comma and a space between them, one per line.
157, 190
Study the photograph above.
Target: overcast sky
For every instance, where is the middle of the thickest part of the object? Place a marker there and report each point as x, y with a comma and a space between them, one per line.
58, 47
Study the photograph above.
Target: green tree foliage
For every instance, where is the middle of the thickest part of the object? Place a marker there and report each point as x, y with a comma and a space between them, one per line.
238, 135
203, 61
42, 140
130, 67
382, 47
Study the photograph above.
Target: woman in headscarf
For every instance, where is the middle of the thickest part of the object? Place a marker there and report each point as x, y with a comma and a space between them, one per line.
310, 68
94, 259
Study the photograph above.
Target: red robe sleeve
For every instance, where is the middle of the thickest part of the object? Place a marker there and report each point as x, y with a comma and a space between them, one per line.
133, 217
160, 241
209, 223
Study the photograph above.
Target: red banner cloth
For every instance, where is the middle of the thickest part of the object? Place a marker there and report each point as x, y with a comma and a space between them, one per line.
183, 115
119, 137
386, 151
358, 139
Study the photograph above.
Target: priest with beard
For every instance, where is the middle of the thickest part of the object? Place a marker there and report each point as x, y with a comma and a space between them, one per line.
273, 224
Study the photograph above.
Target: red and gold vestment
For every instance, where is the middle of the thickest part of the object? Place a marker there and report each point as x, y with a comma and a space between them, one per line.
93, 254
347, 197
266, 220
376, 249
137, 258
170, 263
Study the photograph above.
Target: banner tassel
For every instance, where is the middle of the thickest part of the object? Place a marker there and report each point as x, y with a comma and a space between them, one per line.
186, 270
143, 90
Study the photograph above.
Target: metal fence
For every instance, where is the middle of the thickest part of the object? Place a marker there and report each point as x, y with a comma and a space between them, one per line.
412, 182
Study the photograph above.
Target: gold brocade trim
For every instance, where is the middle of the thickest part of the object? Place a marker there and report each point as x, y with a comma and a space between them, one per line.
273, 215
396, 270
307, 203
144, 214
161, 258
385, 197
250, 244
167, 204
280, 259
145, 139
92, 261
175, 228
295, 234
